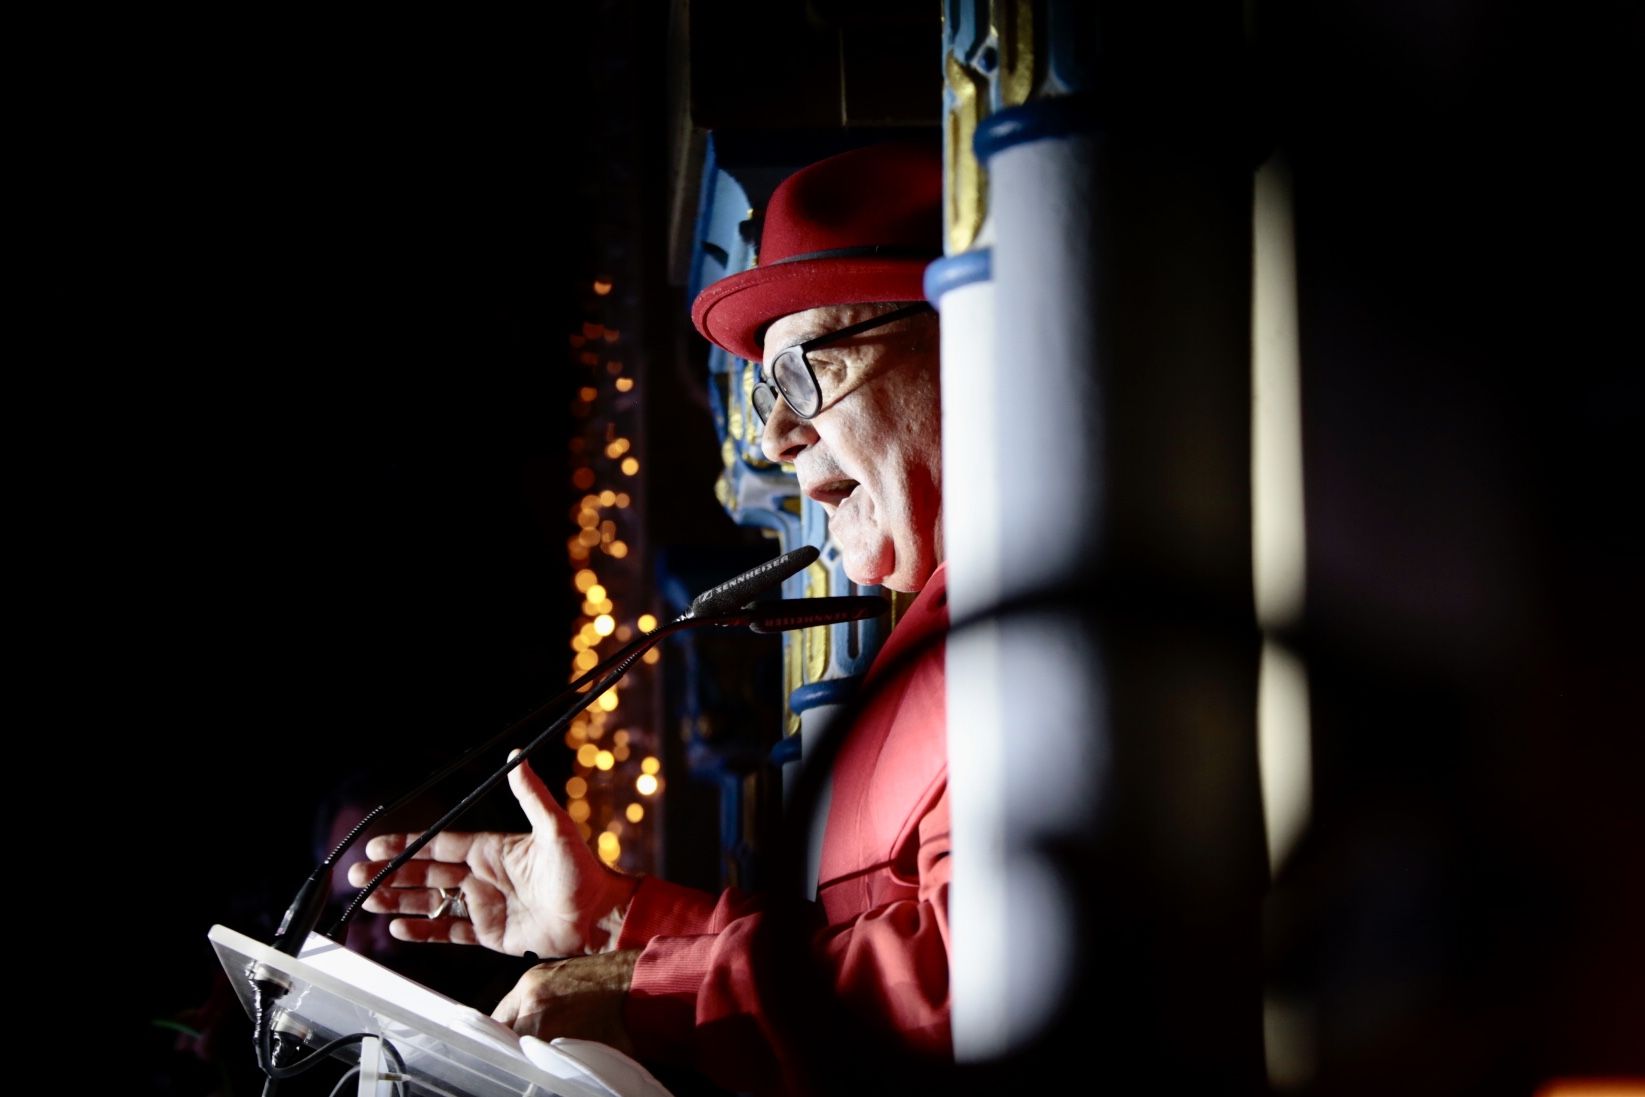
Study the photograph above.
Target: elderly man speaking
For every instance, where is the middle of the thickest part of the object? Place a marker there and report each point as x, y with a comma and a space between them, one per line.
849, 395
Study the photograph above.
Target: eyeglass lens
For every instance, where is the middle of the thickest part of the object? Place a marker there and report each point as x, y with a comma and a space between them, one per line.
765, 401
791, 377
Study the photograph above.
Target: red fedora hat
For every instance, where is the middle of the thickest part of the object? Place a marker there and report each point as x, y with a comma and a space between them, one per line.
857, 227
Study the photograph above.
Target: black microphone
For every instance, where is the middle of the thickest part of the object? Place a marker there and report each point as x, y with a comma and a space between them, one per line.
304, 912
735, 593
794, 613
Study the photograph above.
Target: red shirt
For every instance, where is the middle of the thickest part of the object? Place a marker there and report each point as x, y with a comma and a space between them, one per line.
882, 893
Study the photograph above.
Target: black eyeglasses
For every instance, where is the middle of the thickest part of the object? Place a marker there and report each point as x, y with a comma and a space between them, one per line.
795, 381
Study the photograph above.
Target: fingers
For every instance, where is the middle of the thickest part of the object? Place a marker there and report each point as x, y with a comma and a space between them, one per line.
541, 809
455, 931
447, 846
413, 874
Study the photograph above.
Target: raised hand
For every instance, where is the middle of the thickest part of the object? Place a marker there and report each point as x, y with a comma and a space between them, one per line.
543, 891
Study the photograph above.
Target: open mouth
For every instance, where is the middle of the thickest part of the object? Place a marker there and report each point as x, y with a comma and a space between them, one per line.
832, 493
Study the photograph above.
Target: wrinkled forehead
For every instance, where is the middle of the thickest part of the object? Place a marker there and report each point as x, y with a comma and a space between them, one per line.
797, 327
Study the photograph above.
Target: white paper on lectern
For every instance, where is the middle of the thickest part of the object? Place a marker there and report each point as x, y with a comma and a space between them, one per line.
338, 992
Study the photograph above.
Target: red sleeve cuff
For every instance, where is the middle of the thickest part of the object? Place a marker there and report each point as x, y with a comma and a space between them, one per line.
661, 1007
659, 908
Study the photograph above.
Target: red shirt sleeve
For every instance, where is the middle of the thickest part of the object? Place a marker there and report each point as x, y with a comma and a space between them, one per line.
694, 1000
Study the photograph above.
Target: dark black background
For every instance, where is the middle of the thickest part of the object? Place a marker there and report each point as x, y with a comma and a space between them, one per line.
316, 474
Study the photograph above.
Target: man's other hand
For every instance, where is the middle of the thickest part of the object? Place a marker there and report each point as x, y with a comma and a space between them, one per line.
580, 997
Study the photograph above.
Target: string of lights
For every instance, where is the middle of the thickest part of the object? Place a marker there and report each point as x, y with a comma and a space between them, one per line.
613, 793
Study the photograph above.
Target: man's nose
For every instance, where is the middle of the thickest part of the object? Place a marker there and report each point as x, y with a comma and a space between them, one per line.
785, 433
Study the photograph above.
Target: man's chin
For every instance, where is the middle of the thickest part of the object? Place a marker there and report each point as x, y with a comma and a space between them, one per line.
912, 571
866, 554
863, 578
891, 578
867, 569
875, 562
904, 584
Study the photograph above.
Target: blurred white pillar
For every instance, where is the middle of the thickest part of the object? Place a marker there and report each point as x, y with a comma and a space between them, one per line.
1278, 563
1016, 434
1106, 769
973, 389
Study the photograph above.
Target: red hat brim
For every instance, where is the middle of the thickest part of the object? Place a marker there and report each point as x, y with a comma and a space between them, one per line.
735, 311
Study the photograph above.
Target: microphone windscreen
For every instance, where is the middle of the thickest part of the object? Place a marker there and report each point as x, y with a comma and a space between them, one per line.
736, 593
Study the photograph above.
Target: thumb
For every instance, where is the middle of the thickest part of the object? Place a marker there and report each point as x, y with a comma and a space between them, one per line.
542, 811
